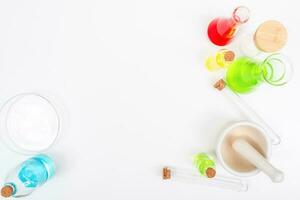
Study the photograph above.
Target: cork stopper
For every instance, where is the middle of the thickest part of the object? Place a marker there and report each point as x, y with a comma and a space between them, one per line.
7, 191
166, 173
220, 84
229, 56
210, 172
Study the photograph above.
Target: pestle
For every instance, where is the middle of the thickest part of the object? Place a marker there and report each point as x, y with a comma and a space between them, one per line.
246, 150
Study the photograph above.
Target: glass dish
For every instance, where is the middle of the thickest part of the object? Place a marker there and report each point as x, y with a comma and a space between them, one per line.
29, 123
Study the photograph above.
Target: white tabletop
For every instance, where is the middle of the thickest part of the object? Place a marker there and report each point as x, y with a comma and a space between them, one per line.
130, 75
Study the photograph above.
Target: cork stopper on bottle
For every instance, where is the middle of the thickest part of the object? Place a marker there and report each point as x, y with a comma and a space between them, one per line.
229, 56
7, 191
210, 172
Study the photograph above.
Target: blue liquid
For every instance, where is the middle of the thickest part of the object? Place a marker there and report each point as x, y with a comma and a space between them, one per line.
36, 171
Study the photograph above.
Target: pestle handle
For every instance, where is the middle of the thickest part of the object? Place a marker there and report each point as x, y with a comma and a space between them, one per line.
246, 150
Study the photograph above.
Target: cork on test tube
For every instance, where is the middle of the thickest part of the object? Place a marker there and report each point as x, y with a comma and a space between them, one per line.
247, 110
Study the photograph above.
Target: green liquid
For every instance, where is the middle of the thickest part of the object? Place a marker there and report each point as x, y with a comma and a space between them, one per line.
203, 162
244, 75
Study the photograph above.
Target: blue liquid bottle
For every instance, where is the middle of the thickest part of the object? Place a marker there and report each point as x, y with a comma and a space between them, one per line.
28, 176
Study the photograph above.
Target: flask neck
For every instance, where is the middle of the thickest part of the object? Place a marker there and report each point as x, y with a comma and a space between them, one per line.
240, 15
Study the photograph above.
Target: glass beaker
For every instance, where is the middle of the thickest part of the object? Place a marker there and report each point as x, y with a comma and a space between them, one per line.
246, 74
222, 30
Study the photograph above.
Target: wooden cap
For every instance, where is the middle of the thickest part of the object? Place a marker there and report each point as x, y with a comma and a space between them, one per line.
7, 191
210, 172
270, 36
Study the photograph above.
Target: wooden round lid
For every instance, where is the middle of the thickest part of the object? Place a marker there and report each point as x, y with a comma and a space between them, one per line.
270, 36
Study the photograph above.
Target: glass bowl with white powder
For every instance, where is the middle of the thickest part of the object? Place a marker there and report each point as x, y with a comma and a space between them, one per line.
29, 123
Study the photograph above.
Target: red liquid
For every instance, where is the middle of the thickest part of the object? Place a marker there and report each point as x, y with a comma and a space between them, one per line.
221, 31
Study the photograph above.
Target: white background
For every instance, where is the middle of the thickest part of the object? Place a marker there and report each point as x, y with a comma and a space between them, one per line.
137, 96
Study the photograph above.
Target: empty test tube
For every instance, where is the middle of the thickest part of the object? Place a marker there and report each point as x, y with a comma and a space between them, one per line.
188, 176
247, 110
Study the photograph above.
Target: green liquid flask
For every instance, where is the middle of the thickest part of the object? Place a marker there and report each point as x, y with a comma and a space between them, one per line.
205, 165
246, 74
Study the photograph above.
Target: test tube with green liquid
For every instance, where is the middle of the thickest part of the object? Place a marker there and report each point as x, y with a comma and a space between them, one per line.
205, 165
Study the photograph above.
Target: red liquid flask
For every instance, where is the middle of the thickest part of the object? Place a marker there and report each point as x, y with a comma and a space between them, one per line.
222, 30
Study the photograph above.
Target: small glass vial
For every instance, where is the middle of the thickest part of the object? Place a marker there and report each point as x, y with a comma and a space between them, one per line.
223, 58
205, 165
28, 176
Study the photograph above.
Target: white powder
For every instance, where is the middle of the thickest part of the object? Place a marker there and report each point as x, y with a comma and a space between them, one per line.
233, 159
32, 123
